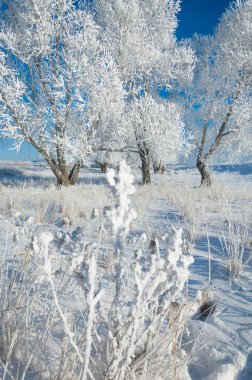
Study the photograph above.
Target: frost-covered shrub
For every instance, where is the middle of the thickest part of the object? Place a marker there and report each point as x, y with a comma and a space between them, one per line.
86, 320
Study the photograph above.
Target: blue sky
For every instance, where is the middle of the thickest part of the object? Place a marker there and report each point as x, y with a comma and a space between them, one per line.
196, 16
200, 16
26, 153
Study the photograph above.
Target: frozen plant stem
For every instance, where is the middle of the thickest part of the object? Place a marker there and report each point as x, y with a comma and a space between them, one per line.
91, 301
121, 217
42, 242
209, 257
153, 290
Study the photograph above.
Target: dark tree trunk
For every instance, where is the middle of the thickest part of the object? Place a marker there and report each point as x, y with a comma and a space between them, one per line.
158, 167
104, 167
71, 178
61, 181
205, 174
74, 173
145, 159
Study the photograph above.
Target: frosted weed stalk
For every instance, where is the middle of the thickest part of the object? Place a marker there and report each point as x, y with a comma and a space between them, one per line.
141, 340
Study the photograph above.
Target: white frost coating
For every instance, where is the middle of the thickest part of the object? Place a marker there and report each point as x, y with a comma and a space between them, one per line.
91, 311
172, 274
136, 327
218, 101
143, 238
162, 279
40, 246
72, 113
155, 288
122, 216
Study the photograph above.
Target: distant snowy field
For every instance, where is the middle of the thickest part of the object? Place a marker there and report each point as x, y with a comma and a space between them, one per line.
217, 228
37, 172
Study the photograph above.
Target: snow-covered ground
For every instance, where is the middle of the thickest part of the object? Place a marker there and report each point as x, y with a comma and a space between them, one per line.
217, 228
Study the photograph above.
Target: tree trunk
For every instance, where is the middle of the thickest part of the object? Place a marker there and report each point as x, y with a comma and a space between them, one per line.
61, 181
158, 167
74, 174
145, 159
71, 178
205, 174
104, 167
62, 178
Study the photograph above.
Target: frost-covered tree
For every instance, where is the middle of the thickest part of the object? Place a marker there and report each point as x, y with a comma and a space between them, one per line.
158, 130
141, 37
59, 87
219, 100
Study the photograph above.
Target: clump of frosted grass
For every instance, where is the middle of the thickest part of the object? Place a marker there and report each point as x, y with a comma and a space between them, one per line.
234, 246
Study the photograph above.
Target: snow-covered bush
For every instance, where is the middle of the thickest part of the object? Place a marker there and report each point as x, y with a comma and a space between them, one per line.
82, 312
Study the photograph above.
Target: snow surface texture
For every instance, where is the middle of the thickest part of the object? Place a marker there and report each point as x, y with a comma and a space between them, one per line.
55, 243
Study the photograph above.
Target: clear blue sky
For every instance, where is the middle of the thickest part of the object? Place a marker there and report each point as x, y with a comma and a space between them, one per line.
196, 16
200, 16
